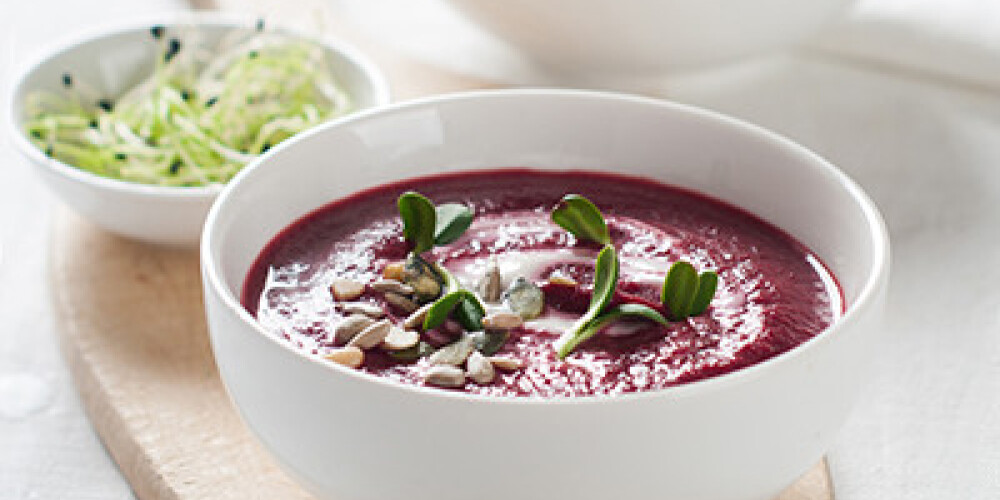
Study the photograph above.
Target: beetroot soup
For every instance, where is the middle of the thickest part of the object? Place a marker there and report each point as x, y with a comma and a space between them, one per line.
343, 284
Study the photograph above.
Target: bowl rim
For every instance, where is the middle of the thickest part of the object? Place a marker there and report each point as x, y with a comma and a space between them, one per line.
873, 285
375, 79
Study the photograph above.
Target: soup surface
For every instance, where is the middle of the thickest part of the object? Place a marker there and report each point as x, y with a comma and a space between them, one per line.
773, 293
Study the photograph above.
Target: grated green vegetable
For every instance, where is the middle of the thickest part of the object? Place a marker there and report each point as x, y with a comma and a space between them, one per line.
199, 118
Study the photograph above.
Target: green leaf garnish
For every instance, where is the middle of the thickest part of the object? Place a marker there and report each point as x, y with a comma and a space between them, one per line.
419, 220
685, 293
605, 278
679, 289
467, 303
610, 316
452, 219
580, 217
707, 283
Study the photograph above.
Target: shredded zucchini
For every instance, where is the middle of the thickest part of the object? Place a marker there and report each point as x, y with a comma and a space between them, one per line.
201, 116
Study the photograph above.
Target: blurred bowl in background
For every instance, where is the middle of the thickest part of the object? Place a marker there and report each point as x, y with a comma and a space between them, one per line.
647, 37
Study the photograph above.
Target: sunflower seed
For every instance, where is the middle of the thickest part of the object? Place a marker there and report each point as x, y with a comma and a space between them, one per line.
524, 298
393, 271
399, 339
416, 319
506, 363
348, 356
502, 321
491, 287
366, 308
445, 376
559, 279
371, 336
344, 289
479, 368
400, 302
349, 327
392, 286
454, 353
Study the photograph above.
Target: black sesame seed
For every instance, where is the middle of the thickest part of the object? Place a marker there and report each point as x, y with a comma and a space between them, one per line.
185, 94
36, 134
93, 123
48, 151
260, 24
265, 147
105, 104
121, 156
175, 167
67, 80
211, 101
173, 47
156, 31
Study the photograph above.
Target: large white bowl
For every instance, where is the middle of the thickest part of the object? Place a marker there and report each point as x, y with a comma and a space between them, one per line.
348, 435
642, 37
112, 60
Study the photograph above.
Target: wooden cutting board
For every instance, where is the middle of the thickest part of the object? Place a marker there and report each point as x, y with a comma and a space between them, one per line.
133, 333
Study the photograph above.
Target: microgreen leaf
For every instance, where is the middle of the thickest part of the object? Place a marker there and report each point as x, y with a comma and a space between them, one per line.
452, 220
707, 283
469, 311
419, 218
679, 289
580, 217
610, 316
605, 279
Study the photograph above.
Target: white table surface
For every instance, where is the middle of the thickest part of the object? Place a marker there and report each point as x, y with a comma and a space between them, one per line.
927, 149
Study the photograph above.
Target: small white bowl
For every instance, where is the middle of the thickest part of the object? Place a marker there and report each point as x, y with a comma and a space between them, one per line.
647, 37
111, 60
741, 436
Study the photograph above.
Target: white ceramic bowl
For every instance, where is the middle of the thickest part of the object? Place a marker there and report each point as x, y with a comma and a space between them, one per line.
348, 435
114, 59
642, 37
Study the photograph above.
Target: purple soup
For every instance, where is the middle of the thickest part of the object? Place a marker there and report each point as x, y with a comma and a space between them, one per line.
773, 292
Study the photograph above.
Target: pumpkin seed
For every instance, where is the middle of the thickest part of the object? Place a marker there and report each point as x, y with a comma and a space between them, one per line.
489, 342
366, 308
506, 363
420, 276
416, 319
502, 321
344, 289
371, 336
479, 369
491, 286
414, 353
524, 298
454, 353
348, 356
392, 286
400, 302
399, 339
349, 327
445, 376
